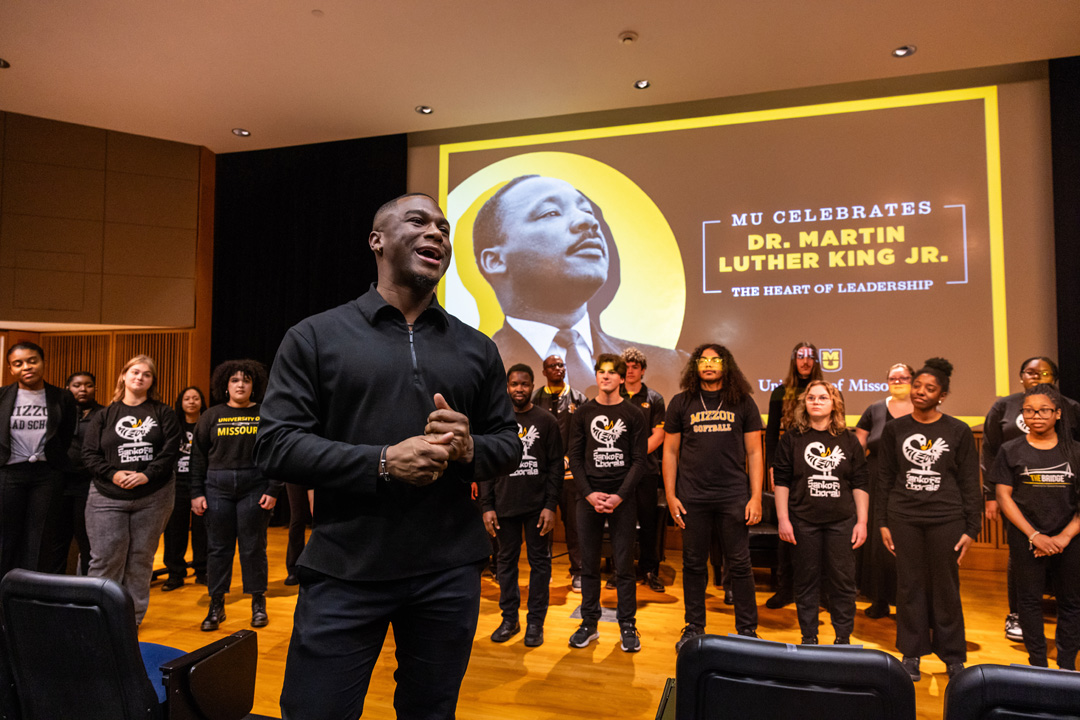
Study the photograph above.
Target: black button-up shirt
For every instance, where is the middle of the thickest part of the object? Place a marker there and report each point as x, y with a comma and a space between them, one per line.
353, 379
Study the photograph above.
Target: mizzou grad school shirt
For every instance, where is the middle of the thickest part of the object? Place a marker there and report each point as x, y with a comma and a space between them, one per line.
712, 451
929, 471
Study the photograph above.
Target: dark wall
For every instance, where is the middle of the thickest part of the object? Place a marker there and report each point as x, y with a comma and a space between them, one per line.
1065, 146
290, 236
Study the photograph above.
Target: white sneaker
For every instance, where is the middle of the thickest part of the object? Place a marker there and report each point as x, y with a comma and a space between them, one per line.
1012, 628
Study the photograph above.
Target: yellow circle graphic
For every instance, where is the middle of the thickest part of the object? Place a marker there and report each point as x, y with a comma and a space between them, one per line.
651, 298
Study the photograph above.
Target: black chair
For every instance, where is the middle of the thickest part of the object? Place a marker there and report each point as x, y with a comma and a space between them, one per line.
1016, 692
749, 679
72, 649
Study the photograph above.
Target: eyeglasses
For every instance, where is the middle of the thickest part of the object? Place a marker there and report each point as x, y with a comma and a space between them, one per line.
710, 361
1037, 374
900, 380
1043, 413
554, 365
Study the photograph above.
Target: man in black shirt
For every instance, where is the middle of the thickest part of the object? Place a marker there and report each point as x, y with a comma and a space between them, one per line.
652, 404
524, 502
607, 457
562, 400
388, 407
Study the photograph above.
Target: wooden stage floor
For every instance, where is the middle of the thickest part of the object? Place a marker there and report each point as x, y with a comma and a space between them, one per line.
555, 681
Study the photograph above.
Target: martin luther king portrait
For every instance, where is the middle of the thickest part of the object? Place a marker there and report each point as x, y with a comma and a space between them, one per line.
546, 251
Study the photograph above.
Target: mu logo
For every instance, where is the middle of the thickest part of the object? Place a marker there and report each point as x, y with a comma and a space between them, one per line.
832, 359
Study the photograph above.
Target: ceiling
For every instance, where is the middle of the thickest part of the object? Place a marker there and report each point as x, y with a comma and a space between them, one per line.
303, 72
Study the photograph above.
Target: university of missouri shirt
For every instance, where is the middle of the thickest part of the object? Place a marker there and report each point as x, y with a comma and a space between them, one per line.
537, 483
929, 471
712, 451
139, 438
1043, 482
821, 470
225, 440
608, 446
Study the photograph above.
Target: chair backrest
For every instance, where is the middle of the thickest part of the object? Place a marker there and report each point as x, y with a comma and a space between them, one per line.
749, 679
73, 648
1014, 692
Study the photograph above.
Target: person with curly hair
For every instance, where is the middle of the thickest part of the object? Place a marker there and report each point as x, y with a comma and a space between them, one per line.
821, 507
712, 436
930, 511
229, 489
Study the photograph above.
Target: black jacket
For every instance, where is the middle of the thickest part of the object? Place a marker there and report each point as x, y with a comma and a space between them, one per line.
353, 379
59, 427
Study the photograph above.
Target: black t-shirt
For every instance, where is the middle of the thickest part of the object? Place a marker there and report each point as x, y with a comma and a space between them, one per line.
712, 451
1043, 483
225, 440
1005, 422
821, 470
608, 445
652, 404
537, 482
183, 461
139, 438
929, 471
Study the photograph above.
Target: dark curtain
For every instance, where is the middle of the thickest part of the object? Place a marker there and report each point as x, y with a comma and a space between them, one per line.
1065, 144
290, 236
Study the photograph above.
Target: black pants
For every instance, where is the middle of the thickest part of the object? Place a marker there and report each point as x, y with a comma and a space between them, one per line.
28, 494
621, 526
538, 551
929, 615
823, 553
877, 574
648, 524
70, 525
339, 628
568, 505
234, 517
730, 518
299, 517
175, 537
1031, 579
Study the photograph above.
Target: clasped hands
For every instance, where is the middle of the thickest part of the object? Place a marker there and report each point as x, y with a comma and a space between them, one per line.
421, 459
604, 502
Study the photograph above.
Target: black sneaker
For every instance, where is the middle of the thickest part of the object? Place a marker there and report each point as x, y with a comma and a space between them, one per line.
749, 633
534, 635
631, 638
507, 630
809, 640
291, 579
877, 610
610, 584
172, 583
584, 635
953, 668
258, 611
575, 584
842, 640
690, 631
779, 600
729, 597
654, 582
911, 665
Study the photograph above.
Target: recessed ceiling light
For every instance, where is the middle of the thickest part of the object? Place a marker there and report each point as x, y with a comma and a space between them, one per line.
317, 13
628, 37
642, 84
424, 109
904, 51
241, 132
4, 64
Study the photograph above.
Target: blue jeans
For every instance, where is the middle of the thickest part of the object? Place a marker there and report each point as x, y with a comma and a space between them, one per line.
233, 516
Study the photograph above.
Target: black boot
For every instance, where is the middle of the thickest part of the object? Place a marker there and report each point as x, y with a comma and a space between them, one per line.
216, 615
258, 610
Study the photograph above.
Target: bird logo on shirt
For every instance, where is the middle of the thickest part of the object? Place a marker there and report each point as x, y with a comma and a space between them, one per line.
528, 436
134, 429
607, 432
823, 459
923, 452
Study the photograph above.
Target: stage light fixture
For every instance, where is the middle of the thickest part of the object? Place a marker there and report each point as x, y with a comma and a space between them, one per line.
904, 51
424, 109
642, 84
241, 132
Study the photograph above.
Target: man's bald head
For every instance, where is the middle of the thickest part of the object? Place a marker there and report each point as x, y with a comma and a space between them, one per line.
387, 208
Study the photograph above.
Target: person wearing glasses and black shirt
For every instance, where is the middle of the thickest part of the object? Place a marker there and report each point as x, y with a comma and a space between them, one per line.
712, 434
1003, 423
1036, 484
